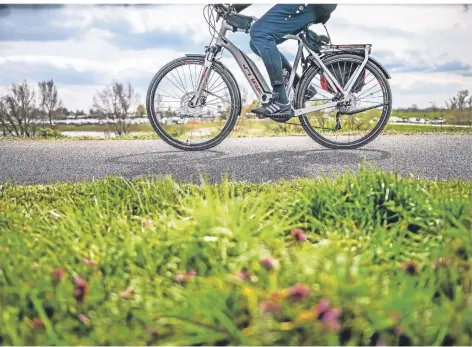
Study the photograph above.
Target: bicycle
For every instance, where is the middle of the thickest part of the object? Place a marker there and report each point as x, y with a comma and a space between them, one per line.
327, 101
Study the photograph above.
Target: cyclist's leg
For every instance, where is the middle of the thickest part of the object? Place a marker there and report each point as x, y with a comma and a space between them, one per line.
269, 30
285, 63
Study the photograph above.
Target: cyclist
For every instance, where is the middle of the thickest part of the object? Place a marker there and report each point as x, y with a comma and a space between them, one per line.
267, 33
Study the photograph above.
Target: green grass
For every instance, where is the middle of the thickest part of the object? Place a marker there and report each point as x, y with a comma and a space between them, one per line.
263, 129
148, 236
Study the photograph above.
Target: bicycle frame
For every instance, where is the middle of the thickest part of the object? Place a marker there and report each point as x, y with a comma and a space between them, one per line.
257, 81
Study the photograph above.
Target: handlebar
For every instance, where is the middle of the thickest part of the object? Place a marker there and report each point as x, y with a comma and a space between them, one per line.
222, 6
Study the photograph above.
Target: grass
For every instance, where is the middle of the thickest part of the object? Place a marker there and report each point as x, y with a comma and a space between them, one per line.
246, 128
151, 261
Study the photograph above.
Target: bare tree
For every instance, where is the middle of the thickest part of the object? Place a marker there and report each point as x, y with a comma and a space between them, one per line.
116, 101
18, 112
49, 99
469, 104
458, 102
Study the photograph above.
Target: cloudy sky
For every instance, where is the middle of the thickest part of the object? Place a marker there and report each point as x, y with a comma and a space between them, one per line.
426, 48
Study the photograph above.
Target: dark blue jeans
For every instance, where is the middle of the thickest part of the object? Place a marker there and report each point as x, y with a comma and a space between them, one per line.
269, 30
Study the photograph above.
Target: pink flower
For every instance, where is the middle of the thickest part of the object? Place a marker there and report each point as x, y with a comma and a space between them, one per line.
322, 307
244, 275
181, 278
299, 235
267, 263
81, 288
83, 318
298, 292
270, 307
88, 262
380, 343
330, 320
57, 274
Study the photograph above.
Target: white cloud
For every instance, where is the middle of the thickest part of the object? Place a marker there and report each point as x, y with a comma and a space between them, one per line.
416, 36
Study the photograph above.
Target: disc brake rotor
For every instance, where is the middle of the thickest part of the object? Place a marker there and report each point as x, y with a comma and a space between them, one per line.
186, 109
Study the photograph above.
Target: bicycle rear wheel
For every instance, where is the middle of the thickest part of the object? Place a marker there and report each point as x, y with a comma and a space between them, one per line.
193, 128
342, 131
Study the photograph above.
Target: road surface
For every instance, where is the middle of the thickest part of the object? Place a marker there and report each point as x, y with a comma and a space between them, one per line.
244, 159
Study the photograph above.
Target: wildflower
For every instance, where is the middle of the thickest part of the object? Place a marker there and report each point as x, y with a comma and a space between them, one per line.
81, 288
380, 343
147, 224
267, 263
410, 268
278, 296
127, 293
298, 292
299, 235
322, 308
38, 323
270, 307
330, 320
83, 318
244, 275
57, 275
441, 262
185, 277
153, 332
88, 262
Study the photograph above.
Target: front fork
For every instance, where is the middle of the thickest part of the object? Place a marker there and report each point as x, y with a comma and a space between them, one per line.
210, 55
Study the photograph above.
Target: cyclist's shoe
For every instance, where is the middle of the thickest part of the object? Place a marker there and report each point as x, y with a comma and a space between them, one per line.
274, 108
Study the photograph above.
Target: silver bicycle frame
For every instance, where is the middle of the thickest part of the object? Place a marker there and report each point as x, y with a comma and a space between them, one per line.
257, 81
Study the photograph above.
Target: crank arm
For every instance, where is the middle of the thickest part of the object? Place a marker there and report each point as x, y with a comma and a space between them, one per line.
361, 109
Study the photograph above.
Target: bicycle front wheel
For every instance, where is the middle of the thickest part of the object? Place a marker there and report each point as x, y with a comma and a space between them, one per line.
371, 104
186, 127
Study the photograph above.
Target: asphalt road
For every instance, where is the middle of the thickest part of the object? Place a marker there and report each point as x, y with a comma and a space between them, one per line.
245, 159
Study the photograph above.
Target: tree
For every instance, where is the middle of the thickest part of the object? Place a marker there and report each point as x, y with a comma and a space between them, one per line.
458, 104
49, 100
116, 100
18, 111
141, 110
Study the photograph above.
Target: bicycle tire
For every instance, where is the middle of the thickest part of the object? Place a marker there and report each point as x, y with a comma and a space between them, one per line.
302, 89
232, 87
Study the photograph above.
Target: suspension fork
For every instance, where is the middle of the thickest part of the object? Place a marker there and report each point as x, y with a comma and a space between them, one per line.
204, 76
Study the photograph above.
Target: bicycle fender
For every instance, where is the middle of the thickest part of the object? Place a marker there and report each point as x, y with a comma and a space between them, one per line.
381, 67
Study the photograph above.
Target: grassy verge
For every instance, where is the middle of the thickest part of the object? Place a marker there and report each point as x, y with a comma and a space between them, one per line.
270, 131
368, 259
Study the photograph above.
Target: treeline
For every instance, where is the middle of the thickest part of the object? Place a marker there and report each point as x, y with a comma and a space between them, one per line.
26, 108
457, 110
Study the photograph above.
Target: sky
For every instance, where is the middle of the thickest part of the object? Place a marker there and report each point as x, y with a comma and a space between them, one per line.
426, 48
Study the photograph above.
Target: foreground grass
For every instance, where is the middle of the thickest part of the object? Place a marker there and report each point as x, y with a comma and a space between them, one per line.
385, 260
